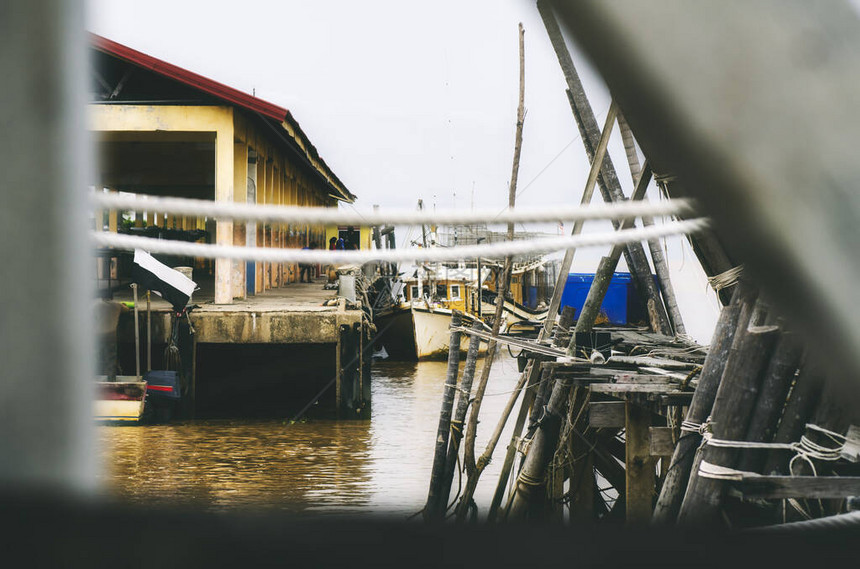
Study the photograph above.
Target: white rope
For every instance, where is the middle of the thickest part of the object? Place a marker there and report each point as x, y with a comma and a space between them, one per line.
717, 472
415, 255
267, 213
725, 279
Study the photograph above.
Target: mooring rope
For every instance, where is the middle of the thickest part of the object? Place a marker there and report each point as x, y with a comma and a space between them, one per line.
805, 449
430, 254
269, 213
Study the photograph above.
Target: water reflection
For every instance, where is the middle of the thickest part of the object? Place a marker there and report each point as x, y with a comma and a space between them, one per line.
330, 467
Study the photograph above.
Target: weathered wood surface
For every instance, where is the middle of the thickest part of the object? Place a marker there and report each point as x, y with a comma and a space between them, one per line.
532, 478
771, 400
625, 388
606, 414
639, 465
652, 362
811, 487
661, 442
730, 417
801, 403
732, 318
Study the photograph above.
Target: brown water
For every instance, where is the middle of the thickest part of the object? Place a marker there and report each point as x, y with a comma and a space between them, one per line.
322, 467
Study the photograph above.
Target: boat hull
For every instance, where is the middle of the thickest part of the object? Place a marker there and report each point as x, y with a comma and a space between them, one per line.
433, 333
119, 401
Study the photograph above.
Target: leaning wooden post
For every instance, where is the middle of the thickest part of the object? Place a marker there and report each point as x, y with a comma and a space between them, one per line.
661, 267
735, 401
465, 391
732, 317
608, 179
475, 467
603, 275
435, 506
507, 465
532, 478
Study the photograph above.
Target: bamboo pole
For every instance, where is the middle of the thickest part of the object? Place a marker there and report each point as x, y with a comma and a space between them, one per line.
661, 267
732, 318
507, 465
473, 467
532, 371
460, 412
735, 400
771, 400
605, 270
802, 399
531, 480
435, 506
608, 180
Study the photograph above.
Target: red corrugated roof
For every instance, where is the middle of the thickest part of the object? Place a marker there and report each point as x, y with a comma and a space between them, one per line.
190, 78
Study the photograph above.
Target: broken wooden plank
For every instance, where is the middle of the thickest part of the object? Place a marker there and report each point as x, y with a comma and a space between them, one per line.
662, 363
777, 487
606, 414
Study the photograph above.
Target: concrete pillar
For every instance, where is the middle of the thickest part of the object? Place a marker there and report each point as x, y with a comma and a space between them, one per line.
46, 332
262, 184
240, 195
224, 193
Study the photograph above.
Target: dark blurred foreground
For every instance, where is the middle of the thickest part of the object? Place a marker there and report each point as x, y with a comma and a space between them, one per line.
43, 531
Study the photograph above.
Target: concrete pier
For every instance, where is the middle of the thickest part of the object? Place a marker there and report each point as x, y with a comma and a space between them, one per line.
270, 355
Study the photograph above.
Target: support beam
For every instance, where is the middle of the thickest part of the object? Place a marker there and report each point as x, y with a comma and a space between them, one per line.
639, 465
240, 195
224, 228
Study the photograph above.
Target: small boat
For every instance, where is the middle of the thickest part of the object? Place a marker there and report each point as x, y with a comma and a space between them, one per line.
162, 396
122, 400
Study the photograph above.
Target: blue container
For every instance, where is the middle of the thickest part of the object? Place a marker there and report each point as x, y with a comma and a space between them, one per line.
620, 305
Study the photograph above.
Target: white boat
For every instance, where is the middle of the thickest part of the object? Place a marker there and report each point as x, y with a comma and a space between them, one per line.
121, 400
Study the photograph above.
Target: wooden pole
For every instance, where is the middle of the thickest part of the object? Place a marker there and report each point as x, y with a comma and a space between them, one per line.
507, 465
730, 419
771, 400
460, 412
802, 399
608, 180
639, 465
605, 270
435, 506
661, 267
732, 317
531, 480
473, 467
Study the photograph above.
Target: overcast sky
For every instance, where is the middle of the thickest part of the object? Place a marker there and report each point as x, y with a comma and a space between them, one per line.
403, 100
